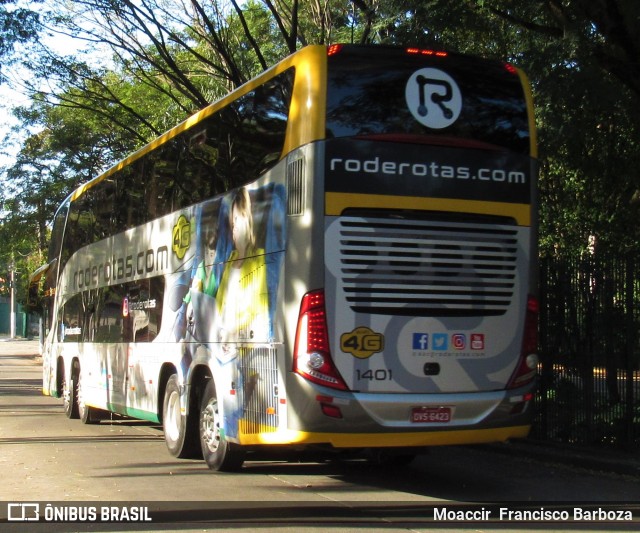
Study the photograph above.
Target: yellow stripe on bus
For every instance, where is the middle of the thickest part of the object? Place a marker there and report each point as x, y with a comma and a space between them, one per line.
364, 440
533, 138
337, 202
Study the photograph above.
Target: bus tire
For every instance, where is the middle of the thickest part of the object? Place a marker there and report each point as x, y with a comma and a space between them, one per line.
218, 452
87, 414
69, 395
180, 431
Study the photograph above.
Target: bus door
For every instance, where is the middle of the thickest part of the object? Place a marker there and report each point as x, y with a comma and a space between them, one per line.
142, 314
105, 360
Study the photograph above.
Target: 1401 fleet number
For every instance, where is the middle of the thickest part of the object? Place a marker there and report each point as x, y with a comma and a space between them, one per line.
382, 374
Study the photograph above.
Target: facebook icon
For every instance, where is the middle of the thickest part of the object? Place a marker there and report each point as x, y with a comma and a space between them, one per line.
420, 341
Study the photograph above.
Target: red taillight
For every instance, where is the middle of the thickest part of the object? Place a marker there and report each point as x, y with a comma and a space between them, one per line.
426, 52
311, 354
530, 341
334, 49
528, 364
510, 68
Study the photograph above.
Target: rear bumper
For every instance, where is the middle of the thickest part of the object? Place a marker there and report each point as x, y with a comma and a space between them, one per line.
356, 420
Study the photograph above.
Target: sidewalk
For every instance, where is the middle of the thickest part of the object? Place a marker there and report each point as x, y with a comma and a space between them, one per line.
599, 460
19, 346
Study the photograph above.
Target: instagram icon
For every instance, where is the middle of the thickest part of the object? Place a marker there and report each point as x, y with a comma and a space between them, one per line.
459, 341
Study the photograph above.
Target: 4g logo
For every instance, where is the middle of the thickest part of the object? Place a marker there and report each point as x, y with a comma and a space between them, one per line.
181, 237
362, 342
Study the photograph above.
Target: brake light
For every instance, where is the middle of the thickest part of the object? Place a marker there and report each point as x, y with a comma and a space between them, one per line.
311, 355
426, 52
528, 364
510, 68
334, 49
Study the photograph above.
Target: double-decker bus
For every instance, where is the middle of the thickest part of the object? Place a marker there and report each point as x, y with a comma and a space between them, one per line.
339, 254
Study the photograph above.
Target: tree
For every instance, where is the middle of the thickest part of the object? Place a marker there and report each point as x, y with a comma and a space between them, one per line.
606, 31
152, 63
191, 51
587, 80
581, 56
17, 26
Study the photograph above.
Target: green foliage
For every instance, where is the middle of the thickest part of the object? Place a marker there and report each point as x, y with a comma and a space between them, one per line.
586, 103
148, 64
17, 25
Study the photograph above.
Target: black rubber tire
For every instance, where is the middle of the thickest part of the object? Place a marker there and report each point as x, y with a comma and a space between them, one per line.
180, 431
219, 454
70, 395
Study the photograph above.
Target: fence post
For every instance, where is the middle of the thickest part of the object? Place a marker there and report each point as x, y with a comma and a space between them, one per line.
546, 377
631, 266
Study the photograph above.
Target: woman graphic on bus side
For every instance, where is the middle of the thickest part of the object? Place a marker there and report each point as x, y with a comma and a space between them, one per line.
242, 304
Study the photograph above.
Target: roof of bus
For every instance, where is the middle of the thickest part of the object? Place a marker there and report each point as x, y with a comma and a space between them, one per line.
307, 61
304, 59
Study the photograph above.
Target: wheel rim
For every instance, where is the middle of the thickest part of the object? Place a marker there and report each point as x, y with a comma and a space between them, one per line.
210, 420
80, 397
172, 417
66, 395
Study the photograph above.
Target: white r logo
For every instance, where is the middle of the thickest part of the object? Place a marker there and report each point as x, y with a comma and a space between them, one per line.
433, 98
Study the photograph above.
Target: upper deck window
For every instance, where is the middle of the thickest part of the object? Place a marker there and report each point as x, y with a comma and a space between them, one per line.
368, 92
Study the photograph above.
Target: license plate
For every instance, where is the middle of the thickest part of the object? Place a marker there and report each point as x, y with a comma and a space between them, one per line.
430, 415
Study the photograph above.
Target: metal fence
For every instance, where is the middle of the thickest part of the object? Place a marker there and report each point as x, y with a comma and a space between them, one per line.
589, 390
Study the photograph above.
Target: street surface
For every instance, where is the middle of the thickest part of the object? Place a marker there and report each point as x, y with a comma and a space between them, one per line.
45, 457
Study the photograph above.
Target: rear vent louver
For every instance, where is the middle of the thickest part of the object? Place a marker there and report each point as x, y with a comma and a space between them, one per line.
428, 268
295, 187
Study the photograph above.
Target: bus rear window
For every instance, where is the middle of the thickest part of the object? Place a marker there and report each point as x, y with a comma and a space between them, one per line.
425, 98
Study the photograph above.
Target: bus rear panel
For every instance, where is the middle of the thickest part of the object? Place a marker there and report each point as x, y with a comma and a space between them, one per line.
424, 267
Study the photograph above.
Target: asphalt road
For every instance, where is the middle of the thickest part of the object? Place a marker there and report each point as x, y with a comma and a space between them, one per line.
44, 457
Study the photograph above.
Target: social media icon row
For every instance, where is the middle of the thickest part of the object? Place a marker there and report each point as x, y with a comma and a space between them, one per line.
445, 341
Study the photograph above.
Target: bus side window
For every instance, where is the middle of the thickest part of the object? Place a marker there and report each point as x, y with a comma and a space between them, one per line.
109, 327
71, 320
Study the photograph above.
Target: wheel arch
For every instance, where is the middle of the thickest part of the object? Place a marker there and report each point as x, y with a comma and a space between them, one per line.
200, 376
60, 377
61, 372
198, 379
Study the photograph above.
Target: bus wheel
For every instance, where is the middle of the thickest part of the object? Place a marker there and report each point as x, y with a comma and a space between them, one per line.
87, 415
180, 431
218, 452
69, 395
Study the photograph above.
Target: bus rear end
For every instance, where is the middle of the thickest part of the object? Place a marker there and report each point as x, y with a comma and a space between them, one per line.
419, 325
